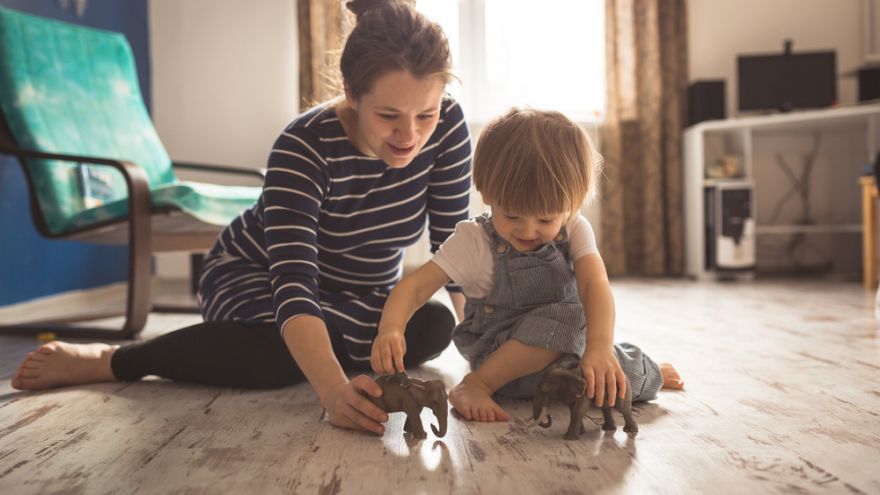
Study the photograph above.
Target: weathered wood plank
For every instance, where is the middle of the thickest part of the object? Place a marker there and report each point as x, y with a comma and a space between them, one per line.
783, 395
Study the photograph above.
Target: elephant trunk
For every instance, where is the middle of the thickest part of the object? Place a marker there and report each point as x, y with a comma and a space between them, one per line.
547, 421
441, 413
539, 410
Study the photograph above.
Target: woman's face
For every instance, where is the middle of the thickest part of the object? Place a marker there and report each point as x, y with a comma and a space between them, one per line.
396, 118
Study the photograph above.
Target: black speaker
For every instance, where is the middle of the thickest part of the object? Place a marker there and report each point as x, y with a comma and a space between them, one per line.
706, 101
869, 83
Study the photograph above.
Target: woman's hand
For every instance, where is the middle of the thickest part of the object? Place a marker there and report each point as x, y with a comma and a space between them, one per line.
604, 376
347, 407
388, 351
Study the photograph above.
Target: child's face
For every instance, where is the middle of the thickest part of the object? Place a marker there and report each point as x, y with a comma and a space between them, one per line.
398, 115
524, 232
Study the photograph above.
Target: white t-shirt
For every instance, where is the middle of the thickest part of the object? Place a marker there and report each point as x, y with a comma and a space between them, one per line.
466, 256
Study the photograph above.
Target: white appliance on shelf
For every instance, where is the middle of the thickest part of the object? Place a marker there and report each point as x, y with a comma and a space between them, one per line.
730, 227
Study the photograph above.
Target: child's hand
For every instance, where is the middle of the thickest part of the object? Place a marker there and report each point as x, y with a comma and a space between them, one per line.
604, 376
388, 351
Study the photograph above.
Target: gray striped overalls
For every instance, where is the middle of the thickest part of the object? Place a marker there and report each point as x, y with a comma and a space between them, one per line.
534, 299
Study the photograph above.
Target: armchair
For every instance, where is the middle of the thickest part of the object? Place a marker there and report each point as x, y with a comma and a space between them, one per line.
72, 113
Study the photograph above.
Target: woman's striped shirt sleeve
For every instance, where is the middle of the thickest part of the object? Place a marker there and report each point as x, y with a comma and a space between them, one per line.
296, 183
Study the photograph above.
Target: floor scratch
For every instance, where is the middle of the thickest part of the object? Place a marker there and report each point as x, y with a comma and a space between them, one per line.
156, 451
30, 418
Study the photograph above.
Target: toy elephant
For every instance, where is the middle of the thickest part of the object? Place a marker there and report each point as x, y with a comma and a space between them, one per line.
401, 393
567, 386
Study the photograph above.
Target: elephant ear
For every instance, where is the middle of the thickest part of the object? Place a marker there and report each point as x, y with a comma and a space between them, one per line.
574, 377
438, 389
581, 385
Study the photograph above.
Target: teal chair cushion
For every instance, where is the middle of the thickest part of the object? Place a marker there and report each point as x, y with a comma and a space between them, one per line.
209, 203
73, 90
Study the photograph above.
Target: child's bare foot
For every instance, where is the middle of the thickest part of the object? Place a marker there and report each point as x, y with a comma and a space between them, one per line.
473, 400
671, 380
58, 363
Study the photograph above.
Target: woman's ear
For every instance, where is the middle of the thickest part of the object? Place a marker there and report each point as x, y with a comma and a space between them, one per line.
350, 100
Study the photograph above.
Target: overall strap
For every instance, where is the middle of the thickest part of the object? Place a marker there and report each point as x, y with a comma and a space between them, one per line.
499, 245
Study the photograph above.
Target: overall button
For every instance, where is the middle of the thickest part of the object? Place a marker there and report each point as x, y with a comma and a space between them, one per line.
501, 248
488, 309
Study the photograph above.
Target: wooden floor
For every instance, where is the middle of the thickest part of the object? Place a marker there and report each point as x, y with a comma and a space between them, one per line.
782, 396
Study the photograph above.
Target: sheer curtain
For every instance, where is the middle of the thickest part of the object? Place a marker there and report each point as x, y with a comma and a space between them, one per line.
640, 140
547, 54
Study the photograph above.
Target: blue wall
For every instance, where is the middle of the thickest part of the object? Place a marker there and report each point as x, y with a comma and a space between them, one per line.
31, 266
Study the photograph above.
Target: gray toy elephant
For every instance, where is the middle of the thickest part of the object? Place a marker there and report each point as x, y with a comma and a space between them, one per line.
403, 394
567, 386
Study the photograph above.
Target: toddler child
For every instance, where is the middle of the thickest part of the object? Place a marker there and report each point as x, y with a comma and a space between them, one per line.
537, 290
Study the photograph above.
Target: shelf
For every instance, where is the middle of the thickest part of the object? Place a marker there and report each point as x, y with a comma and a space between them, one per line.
712, 182
710, 149
842, 116
809, 229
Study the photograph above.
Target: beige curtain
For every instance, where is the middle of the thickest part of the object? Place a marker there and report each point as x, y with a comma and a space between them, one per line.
641, 191
322, 26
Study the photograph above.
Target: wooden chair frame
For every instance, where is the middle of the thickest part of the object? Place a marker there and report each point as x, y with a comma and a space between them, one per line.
142, 241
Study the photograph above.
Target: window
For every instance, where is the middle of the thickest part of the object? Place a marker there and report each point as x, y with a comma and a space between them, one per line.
548, 54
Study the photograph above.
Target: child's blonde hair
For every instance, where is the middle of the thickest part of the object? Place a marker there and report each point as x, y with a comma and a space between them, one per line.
535, 162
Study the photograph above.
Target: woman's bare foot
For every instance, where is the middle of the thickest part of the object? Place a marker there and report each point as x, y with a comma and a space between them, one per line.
58, 363
473, 400
671, 380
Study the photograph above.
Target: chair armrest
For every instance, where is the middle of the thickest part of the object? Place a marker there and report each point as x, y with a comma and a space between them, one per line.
139, 203
259, 174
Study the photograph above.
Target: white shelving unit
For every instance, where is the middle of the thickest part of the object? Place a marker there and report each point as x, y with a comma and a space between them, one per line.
724, 150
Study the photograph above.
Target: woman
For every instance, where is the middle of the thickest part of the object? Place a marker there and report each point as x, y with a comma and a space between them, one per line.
294, 287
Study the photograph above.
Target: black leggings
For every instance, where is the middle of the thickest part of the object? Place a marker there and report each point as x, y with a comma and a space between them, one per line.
229, 354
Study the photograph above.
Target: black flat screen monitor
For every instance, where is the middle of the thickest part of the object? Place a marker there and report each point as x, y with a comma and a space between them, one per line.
787, 81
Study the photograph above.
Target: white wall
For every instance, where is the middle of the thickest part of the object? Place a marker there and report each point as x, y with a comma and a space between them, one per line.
225, 82
720, 30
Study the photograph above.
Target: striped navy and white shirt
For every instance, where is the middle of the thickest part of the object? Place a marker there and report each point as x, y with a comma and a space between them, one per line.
326, 237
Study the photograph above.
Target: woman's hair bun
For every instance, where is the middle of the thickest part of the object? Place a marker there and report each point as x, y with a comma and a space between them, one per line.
360, 7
